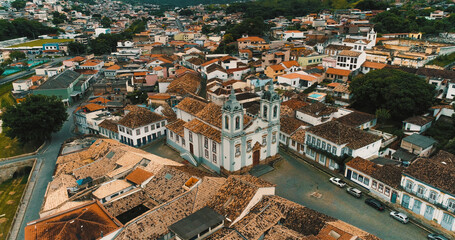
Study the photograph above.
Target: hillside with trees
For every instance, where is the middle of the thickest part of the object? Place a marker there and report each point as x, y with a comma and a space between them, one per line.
23, 28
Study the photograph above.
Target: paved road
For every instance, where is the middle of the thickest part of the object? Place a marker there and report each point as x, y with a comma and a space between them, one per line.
18, 75
46, 159
297, 180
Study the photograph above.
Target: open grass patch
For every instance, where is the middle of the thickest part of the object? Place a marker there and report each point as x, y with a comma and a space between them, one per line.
443, 60
12, 147
10, 195
6, 98
40, 42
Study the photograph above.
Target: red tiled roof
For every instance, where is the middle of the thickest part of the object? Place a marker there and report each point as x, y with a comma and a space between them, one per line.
340, 72
374, 65
83, 222
138, 176
251, 39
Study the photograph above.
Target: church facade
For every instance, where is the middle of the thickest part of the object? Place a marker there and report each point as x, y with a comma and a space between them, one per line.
225, 137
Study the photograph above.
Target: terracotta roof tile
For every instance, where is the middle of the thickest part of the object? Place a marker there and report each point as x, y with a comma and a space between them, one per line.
289, 125
140, 117
199, 127
340, 72
374, 65
138, 176
67, 225
339, 134
356, 118
191, 105
109, 125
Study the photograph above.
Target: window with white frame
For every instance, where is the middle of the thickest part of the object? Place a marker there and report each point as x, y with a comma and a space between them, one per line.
360, 178
274, 137
248, 145
206, 153
237, 150
433, 195
206, 142
333, 164
177, 138
171, 134
329, 147
409, 184
146, 129
322, 159
183, 141
152, 127
214, 158
355, 175
323, 145
420, 190
374, 184
264, 140
451, 203
319, 143
387, 191
138, 131
158, 125
334, 150
380, 187
190, 136
214, 146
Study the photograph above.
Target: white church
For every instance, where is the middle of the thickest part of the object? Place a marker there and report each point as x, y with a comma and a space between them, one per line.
226, 138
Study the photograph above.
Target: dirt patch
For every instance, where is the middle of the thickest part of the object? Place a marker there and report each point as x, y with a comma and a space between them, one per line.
12, 193
2, 220
10, 202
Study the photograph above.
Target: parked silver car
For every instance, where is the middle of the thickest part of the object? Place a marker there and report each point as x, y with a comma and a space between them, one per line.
399, 216
354, 192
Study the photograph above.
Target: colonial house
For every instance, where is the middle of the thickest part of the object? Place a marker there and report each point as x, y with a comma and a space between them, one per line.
140, 126
419, 145
416, 124
350, 60
225, 138
336, 74
331, 142
274, 71
252, 42
317, 113
289, 126
382, 181
359, 120
297, 80
429, 189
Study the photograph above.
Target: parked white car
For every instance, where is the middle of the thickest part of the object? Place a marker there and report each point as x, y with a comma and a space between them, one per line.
337, 182
399, 216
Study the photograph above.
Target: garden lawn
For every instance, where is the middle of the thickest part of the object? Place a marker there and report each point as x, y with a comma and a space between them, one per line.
10, 196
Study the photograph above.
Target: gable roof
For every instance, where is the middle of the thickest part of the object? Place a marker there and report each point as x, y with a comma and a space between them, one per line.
191, 105
420, 140
68, 224
138, 117
356, 118
438, 171
289, 64
138, 176
109, 125
340, 72
418, 120
340, 134
62, 80
290, 124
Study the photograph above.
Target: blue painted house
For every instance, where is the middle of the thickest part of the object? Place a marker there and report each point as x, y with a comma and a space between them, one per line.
429, 189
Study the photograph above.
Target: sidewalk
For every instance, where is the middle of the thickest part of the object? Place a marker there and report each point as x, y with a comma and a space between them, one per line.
415, 219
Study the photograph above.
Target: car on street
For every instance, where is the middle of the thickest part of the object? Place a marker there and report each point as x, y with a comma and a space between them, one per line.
436, 236
399, 216
375, 203
337, 182
354, 192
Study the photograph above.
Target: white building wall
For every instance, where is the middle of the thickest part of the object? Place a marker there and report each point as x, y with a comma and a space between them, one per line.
260, 193
368, 151
156, 129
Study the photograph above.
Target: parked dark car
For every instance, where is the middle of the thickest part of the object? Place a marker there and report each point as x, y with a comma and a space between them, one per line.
375, 203
436, 236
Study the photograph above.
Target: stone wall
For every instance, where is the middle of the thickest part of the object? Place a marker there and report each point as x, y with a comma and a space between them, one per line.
7, 171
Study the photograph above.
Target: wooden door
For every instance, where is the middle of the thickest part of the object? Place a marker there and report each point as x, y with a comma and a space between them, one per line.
256, 157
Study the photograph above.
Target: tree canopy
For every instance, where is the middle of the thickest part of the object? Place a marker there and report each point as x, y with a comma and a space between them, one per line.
76, 48
17, 55
21, 27
402, 94
35, 119
106, 22
18, 4
58, 18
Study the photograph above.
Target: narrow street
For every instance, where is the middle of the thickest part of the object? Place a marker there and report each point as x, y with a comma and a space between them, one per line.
297, 180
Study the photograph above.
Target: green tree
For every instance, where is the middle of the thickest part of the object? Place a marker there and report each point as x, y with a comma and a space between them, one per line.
137, 97
76, 48
18, 4
382, 115
58, 18
17, 55
35, 119
106, 22
403, 94
206, 29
